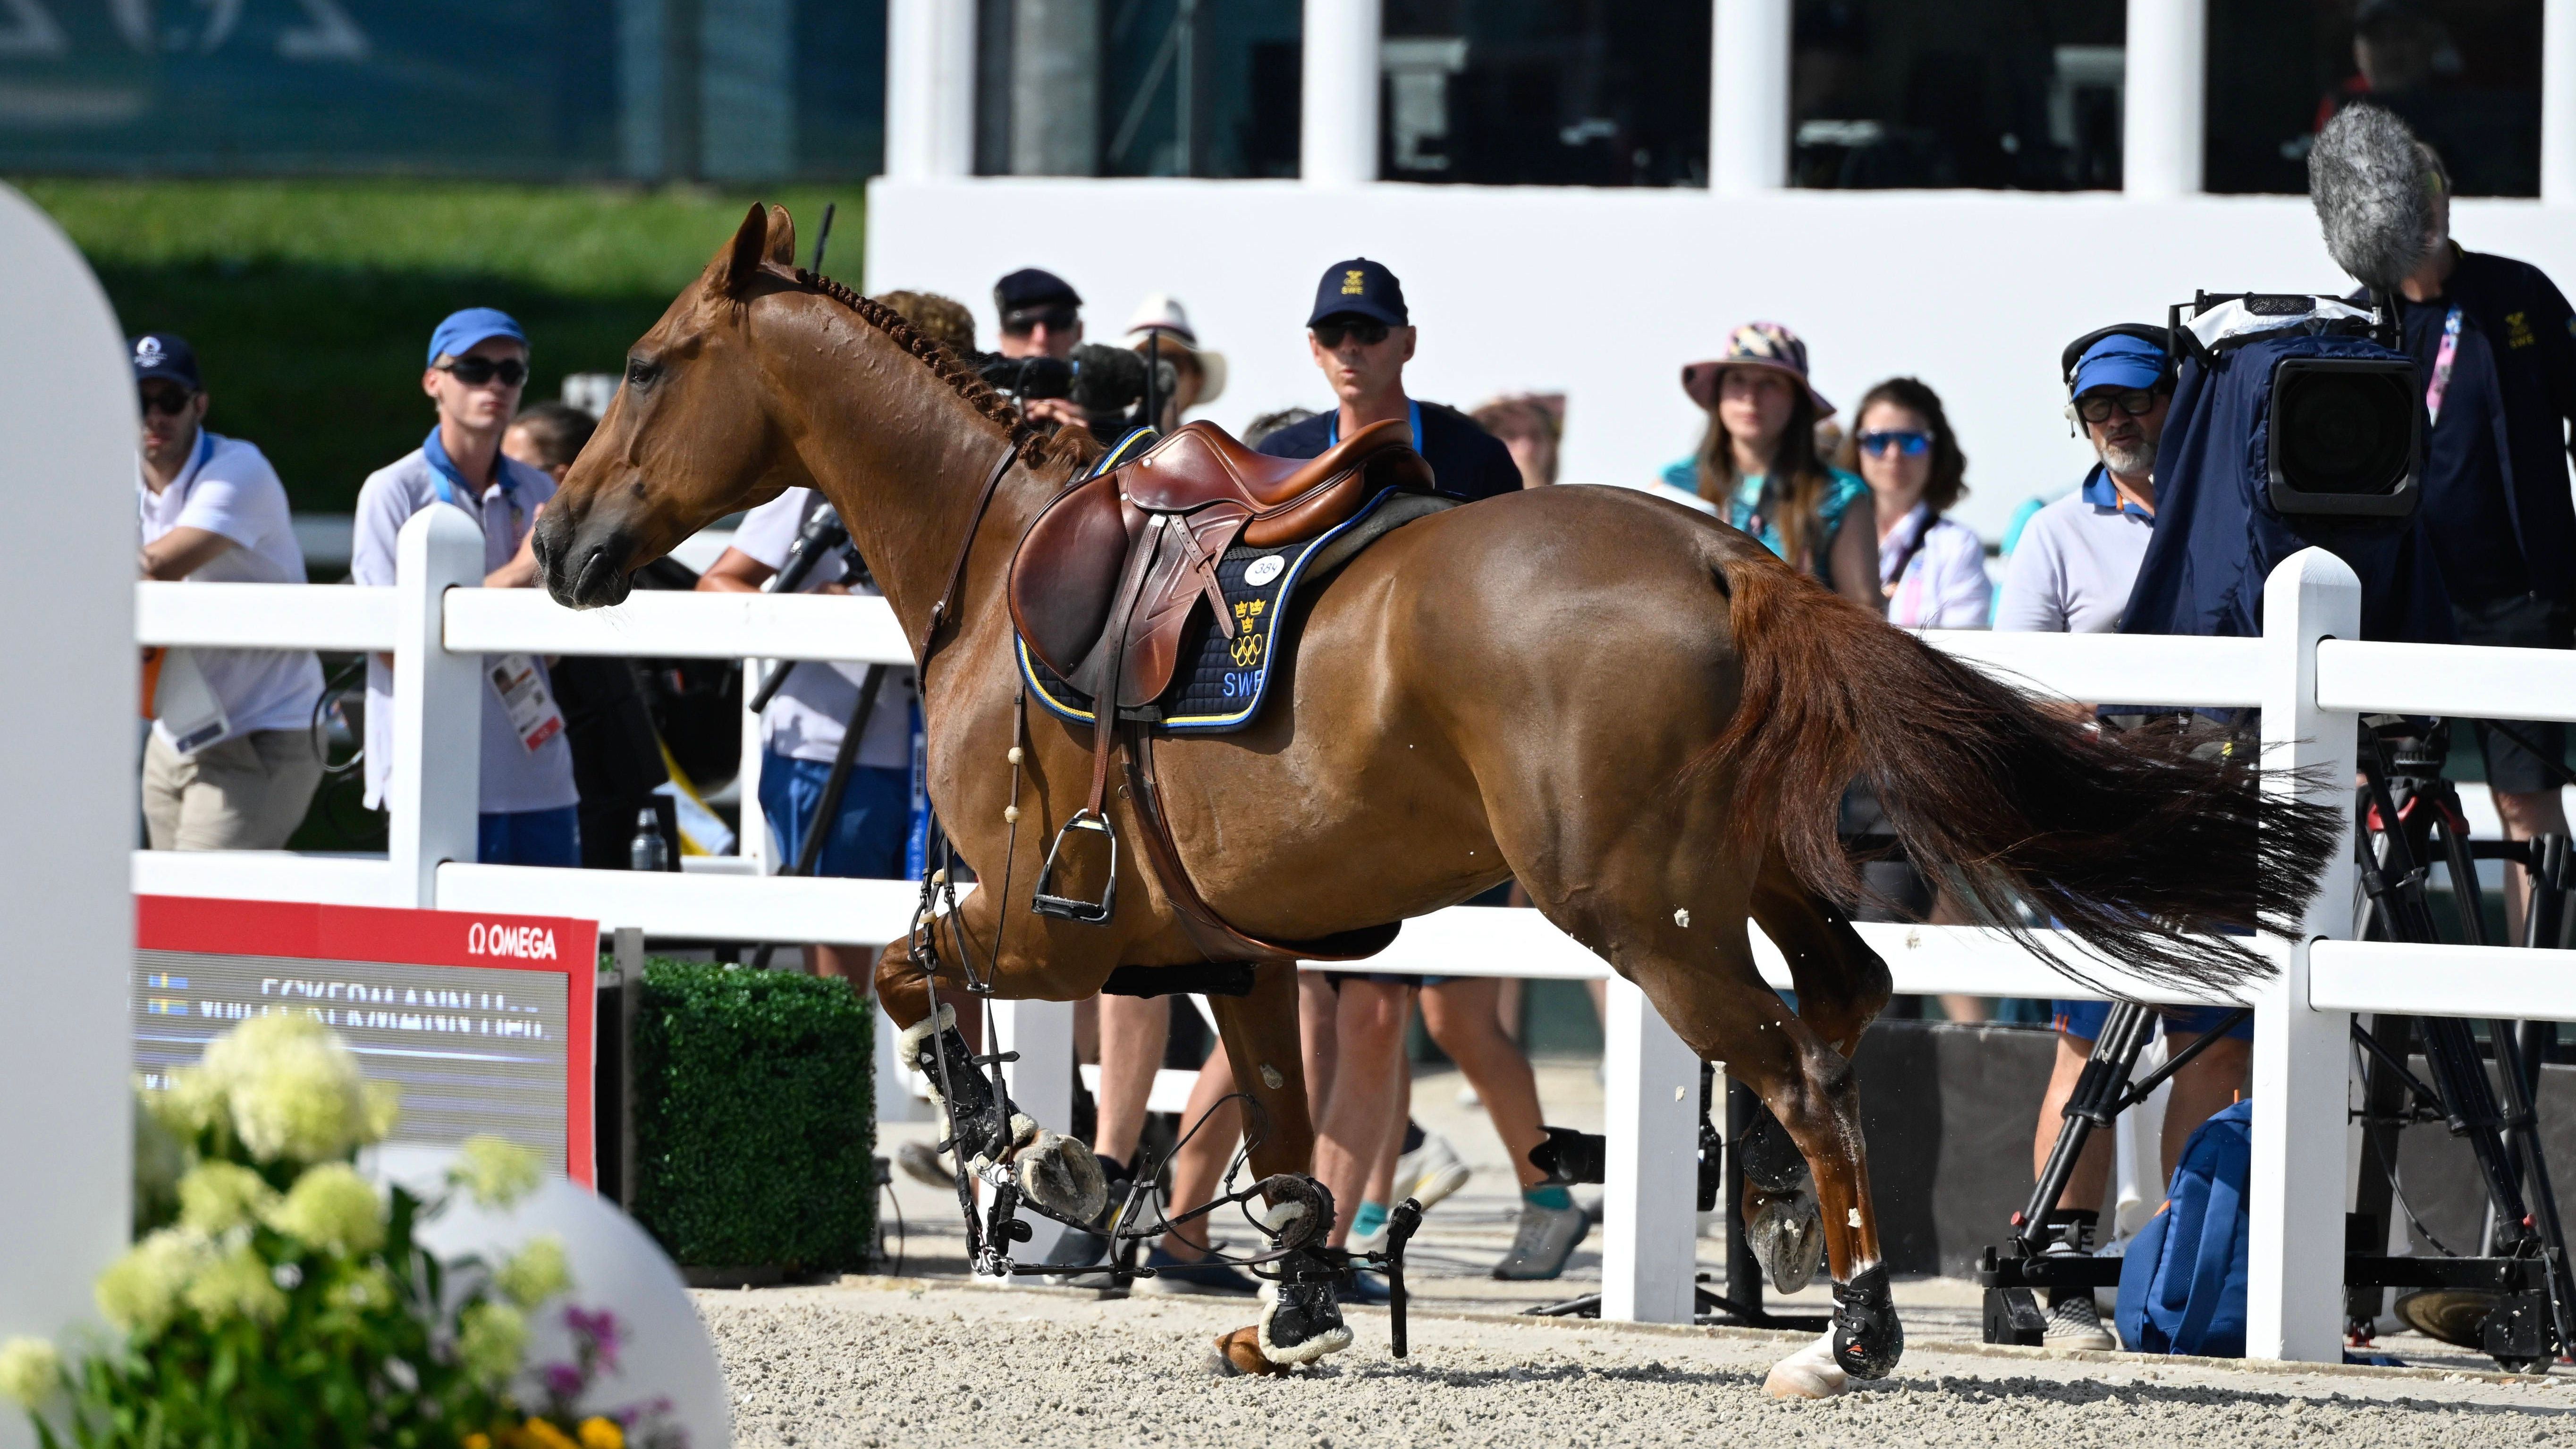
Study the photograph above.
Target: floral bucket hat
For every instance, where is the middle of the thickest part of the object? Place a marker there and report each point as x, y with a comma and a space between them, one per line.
1755, 344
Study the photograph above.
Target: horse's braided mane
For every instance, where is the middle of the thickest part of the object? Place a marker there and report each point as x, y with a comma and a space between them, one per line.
979, 394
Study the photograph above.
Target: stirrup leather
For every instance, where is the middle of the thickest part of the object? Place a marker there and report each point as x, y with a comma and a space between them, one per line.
1075, 908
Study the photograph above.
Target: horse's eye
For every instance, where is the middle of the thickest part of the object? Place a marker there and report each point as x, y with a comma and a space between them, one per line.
640, 373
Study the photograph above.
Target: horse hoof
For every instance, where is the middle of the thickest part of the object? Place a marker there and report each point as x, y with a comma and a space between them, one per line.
1787, 1233
1301, 1320
1061, 1176
1810, 1373
1239, 1353
1868, 1337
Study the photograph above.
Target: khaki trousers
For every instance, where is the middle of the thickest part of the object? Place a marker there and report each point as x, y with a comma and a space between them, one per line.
245, 793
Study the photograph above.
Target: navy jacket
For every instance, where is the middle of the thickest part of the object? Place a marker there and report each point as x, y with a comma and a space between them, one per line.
1466, 461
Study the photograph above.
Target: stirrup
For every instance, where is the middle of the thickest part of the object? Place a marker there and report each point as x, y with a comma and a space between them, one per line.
1074, 908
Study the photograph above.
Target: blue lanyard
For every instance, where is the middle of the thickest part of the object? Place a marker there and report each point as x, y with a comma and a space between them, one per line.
1333, 433
443, 473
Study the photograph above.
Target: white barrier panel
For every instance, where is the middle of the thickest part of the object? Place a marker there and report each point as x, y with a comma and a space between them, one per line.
2497, 982
270, 875
2116, 668
2469, 681
833, 912
680, 625
265, 616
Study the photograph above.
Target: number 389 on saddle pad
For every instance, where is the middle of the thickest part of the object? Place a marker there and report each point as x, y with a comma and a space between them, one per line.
1106, 586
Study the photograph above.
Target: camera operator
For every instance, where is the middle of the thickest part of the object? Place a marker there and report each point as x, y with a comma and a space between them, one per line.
2495, 344
1041, 317
2073, 574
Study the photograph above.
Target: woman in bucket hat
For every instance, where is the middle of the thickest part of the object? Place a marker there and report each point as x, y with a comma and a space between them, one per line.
1757, 466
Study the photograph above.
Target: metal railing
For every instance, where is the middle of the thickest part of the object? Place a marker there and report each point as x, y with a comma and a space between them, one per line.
2305, 673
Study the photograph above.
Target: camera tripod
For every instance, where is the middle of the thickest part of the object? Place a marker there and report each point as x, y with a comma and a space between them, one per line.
2519, 1288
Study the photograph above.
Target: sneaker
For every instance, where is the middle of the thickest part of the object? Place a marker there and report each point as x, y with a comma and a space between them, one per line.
1366, 1288
1077, 1248
1429, 1172
2076, 1323
1195, 1277
1547, 1237
926, 1165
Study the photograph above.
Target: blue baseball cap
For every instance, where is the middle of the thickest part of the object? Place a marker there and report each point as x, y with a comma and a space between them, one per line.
1360, 288
462, 330
166, 355
2119, 360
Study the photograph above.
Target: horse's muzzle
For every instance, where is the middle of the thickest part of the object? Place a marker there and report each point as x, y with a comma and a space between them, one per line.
584, 567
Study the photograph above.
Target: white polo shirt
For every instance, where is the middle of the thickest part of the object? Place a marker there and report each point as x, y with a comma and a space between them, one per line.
515, 778
2076, 563
229, 488
809, 714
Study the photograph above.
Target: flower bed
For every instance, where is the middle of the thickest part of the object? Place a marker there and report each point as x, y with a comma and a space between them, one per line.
755, 1121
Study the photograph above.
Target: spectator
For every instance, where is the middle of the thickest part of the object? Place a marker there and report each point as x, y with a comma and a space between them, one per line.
1757, 465
478, 362
2077, 562
1041, 317
943, 320
237, 766
1933, 571
2496, 343
1530, 425
1361, 336
616, 757
1198, 373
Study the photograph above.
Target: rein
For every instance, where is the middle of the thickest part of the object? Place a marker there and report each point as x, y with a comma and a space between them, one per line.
929, 639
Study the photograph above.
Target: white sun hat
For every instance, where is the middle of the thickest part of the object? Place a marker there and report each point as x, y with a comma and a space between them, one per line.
1162, 315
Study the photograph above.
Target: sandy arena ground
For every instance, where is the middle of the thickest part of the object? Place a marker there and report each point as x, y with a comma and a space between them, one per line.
934, 1360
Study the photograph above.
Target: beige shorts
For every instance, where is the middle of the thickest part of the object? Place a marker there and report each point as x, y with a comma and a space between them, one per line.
245, 793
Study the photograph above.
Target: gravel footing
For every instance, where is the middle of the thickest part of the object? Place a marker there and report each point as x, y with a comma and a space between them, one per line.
876, 1365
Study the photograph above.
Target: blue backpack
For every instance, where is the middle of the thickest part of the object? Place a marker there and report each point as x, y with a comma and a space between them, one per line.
2182, 1283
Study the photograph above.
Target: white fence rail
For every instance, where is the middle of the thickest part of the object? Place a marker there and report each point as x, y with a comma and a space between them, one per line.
2305, 673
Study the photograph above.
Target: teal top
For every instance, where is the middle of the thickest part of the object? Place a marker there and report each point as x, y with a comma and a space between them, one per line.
1746, 512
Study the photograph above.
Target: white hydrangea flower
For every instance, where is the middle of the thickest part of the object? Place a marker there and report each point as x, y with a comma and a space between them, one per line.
295, 1089
30, 1371
334, 1209
140, 1291
536, 1273
237, 1284
216, 1197
494, 1172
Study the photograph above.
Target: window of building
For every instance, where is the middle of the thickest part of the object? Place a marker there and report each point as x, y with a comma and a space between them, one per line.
2002, 94
1571, 93
1137, 87
2464, 73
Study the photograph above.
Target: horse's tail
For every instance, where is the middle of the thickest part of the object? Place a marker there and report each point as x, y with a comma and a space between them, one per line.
2146, 846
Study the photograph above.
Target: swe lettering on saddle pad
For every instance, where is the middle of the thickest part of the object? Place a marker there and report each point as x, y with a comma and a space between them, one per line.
1220, 683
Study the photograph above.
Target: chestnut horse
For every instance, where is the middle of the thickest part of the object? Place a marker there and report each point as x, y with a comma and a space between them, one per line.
1637, 712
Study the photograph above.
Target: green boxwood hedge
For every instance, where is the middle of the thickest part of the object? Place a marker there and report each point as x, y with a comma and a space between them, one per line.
755, 1127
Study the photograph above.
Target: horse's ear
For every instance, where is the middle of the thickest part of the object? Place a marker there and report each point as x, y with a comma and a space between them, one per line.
750, 247
782, 237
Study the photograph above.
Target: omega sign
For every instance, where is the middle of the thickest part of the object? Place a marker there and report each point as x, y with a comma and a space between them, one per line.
519, 943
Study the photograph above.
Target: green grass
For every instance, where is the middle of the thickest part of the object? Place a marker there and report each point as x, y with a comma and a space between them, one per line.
310, 302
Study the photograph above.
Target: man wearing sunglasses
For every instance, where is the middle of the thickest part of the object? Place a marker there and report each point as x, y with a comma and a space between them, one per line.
231, 763
2079, 556
1041, 317
478, 364
1361, 336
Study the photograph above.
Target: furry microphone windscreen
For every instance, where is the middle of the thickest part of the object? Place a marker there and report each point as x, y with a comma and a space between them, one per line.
2372, 195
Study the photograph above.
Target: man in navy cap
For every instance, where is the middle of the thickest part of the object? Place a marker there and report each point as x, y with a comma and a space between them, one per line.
1362, 336
231, 763
478, 363
2072, 574
1041, 317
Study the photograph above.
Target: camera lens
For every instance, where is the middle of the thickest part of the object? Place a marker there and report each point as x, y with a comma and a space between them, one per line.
2347, 431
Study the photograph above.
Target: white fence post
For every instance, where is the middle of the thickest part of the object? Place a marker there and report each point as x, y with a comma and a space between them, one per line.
2302, 1057
1650, 1204
1041, 1084
434, 794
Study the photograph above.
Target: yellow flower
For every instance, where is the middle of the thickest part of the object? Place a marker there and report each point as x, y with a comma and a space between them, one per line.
236, 1285
334, 1209
495, 1173
599, 1433
536, 1273
140, 1291
544, 1435
219, 1196
489, 1341
295, 1090
477, 1441
30, 1371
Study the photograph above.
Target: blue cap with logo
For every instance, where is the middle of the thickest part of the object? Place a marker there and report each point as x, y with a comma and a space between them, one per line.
2120, 360
167, 356
1360, 288
459, 333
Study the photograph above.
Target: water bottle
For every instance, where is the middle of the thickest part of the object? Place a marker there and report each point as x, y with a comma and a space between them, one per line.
648, 851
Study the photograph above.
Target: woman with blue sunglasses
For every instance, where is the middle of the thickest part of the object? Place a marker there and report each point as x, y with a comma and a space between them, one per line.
1931, 568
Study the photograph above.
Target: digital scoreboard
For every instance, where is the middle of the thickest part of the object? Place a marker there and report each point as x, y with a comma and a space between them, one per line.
484, 1022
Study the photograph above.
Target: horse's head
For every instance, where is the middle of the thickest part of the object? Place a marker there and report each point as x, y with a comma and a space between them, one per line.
689, 437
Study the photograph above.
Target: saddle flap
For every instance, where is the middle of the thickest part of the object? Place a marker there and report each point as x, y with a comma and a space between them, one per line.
1065, 575
1147, 649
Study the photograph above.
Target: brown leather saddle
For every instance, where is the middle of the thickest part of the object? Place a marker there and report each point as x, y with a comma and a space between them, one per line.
1107, 578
